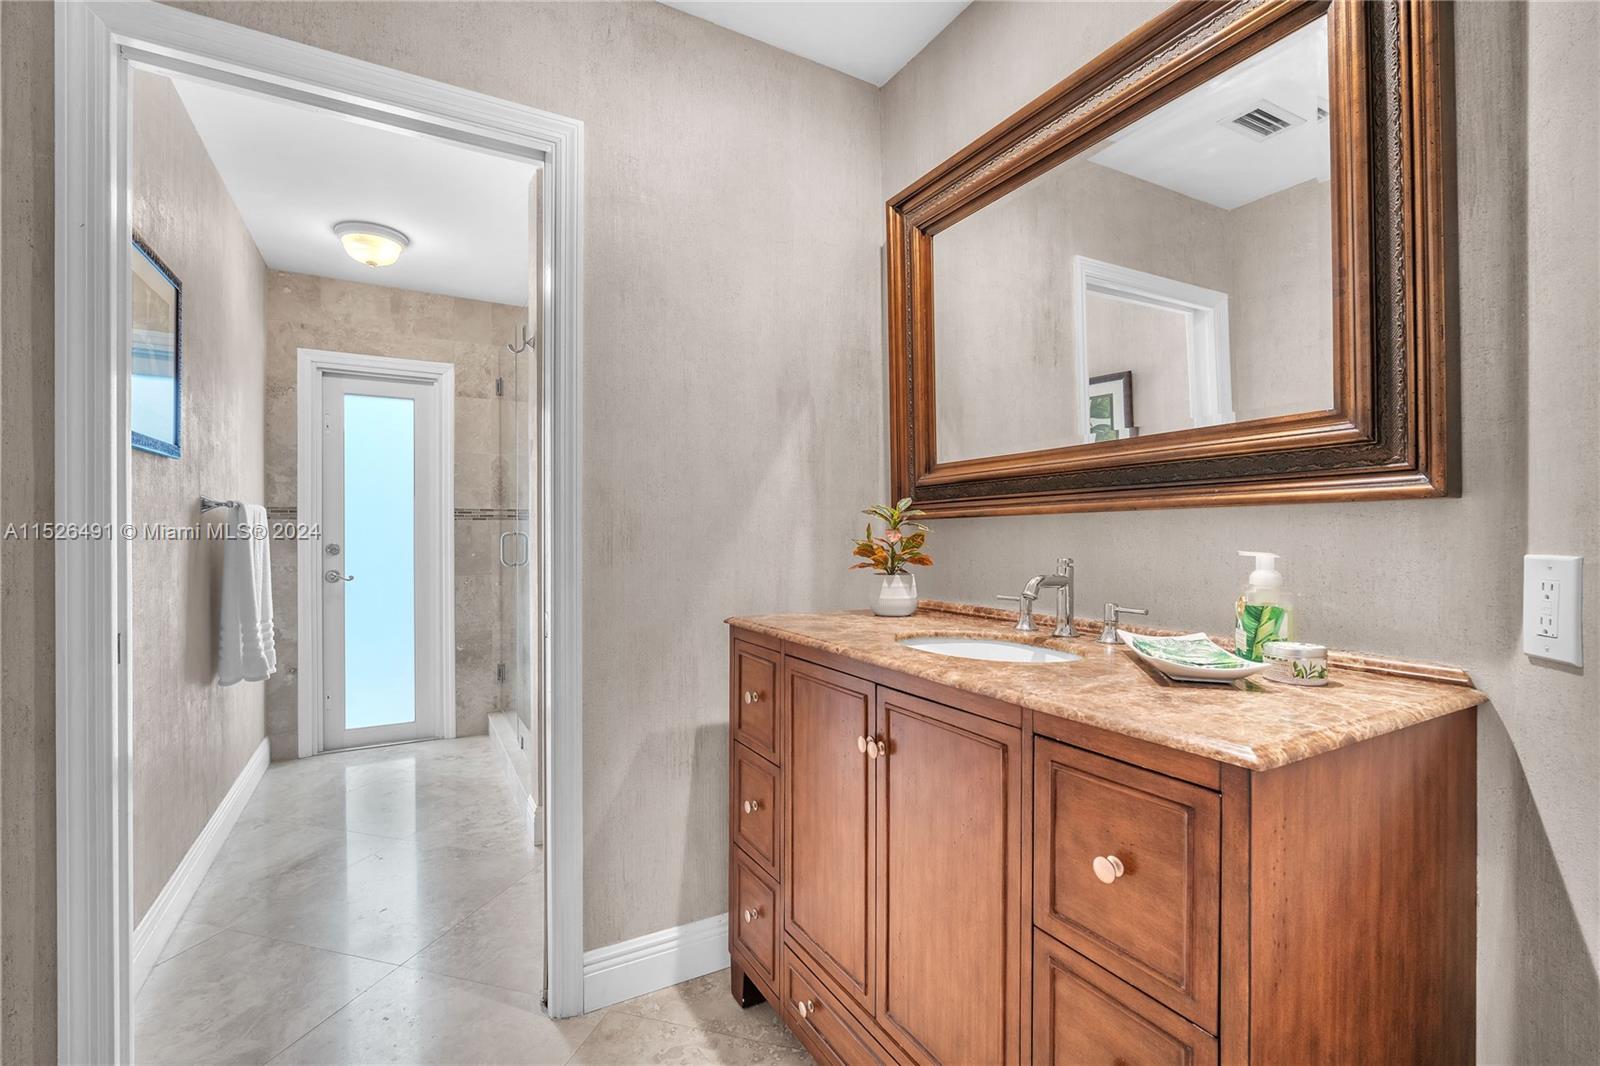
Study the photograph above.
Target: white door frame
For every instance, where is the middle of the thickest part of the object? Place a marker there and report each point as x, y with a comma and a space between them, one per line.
94, 45
439, 613
1210, 368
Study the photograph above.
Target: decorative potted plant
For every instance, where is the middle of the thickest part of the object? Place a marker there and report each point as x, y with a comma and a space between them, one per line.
890, 552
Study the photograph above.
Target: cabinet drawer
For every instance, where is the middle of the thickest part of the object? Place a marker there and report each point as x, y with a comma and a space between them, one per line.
823, 1023
1082, 1014
754, 697
1127, 868
753, 815
755, 916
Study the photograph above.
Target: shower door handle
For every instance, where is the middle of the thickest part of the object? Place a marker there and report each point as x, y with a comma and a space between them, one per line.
513, 533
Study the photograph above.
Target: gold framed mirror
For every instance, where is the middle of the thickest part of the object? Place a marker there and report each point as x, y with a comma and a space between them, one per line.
1206, 268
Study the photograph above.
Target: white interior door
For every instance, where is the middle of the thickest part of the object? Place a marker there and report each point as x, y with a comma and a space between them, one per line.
383, 487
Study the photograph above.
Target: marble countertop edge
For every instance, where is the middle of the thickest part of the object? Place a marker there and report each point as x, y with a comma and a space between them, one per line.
1257, 724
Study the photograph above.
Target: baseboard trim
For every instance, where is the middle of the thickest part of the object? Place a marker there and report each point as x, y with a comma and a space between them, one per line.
162, 917
655, 960
508, 762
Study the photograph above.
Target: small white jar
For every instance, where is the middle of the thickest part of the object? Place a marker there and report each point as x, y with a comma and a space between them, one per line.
1294, 663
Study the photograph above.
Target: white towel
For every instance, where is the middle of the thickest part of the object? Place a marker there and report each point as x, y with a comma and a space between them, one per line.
246, 651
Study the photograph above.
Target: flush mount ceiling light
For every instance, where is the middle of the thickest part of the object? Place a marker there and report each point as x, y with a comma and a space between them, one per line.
370, 243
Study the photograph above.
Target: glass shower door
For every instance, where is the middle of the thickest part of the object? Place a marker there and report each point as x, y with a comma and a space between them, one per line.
520, 563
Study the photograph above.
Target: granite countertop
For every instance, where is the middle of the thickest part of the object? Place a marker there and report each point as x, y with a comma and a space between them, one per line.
1255, 723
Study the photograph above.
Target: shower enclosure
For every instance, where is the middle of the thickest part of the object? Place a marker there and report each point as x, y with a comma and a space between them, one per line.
520, 727
519, 730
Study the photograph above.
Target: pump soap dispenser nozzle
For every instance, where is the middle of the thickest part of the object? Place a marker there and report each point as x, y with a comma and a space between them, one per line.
1266, 572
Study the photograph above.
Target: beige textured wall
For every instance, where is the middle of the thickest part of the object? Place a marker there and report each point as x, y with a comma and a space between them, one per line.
1280, 322
191, 737
27, 567
344, 316
1438, 579
1153, 343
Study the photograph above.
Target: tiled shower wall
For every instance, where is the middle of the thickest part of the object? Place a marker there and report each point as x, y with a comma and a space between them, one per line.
343, 316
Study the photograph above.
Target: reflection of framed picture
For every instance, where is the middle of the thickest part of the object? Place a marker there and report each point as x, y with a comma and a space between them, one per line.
156, 385
1111, 406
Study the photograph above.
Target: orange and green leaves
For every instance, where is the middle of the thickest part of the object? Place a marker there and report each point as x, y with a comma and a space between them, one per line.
900, 543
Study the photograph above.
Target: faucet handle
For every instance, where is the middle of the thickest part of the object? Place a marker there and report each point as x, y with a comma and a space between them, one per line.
1108, 631
1063, 567
1024, 612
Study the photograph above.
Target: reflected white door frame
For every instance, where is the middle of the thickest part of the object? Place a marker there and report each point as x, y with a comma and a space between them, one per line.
324, 379
1205, 312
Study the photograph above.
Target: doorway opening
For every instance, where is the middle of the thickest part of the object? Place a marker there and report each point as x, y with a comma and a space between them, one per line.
100, 48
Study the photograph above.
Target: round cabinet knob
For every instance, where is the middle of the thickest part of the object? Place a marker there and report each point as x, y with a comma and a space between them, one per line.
1108, 868
805, 1008
752, 806
861, 744
751, 914
874, 749
752, 696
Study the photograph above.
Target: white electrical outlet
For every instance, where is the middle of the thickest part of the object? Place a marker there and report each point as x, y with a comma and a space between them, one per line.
1552, 607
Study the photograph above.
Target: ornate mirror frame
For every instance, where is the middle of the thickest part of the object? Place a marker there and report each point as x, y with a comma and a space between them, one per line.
1387, 436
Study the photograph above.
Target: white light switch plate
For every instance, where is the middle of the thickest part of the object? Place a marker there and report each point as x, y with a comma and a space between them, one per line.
1552, 607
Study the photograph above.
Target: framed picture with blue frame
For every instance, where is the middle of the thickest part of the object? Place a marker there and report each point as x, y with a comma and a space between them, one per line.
155, 387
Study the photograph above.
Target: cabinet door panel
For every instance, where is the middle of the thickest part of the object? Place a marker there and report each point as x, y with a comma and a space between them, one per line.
827, 860
950, 967
1081, 1014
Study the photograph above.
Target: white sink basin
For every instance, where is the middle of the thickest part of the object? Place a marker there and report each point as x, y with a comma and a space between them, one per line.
994, 651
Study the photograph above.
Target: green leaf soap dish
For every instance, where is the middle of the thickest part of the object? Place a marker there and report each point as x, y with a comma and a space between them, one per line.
1193, 657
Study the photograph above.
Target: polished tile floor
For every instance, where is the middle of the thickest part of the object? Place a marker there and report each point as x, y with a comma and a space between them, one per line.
382, 906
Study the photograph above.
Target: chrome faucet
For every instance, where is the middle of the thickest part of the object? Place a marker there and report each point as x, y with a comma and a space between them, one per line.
1061, 581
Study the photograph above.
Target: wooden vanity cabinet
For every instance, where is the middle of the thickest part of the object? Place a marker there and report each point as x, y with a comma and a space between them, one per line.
959, 881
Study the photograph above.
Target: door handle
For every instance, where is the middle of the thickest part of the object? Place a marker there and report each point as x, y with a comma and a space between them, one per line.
523, 561
333, 577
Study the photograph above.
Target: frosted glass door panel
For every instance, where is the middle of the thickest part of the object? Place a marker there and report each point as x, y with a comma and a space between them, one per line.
385, 572
380, 615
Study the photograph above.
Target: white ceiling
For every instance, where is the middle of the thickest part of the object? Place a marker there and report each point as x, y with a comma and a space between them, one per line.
295, 170
1190, 147
867, 40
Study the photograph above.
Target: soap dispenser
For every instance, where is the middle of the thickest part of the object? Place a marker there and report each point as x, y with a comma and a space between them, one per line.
1262, 613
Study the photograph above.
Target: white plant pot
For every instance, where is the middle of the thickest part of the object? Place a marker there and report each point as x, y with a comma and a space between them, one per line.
896, 596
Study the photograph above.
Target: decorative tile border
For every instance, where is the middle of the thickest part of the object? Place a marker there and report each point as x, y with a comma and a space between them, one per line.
491, 514
462, 514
